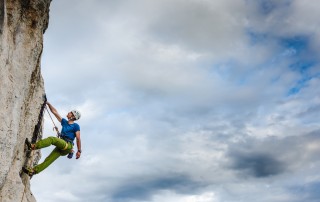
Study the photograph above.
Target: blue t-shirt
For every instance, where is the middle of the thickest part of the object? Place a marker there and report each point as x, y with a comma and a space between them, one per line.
69, 130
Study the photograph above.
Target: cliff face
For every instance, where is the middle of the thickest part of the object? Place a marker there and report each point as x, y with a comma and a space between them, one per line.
22, 24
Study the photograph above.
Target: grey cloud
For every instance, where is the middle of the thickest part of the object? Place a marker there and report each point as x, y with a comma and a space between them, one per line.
312, 110
274, 156
257, 165
142, 188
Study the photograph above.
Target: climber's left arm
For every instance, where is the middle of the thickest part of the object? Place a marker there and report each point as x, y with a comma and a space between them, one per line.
78, 144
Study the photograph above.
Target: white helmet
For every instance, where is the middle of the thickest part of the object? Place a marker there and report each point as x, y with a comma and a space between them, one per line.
76, 114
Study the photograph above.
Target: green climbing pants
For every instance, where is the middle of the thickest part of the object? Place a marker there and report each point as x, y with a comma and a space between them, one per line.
62, 148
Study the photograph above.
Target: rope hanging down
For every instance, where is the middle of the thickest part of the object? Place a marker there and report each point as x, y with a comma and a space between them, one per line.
55, 127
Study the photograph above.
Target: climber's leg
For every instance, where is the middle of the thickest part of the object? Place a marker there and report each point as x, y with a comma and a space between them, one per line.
50, 159
62, 149
56, 153
59, 143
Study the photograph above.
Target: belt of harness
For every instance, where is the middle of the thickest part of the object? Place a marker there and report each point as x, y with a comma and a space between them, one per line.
66, 139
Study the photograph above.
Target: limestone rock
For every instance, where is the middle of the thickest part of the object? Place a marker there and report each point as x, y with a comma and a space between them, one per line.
22, 24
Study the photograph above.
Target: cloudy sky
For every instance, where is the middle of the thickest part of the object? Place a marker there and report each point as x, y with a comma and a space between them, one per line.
185, 100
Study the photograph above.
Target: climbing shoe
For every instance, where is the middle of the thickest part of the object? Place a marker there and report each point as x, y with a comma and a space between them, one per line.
28, 143
28, 171
70, 155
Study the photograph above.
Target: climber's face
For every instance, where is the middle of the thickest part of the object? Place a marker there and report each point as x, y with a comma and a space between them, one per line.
70, 116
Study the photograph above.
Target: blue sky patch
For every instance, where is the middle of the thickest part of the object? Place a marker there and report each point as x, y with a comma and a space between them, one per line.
302, 59
297, 43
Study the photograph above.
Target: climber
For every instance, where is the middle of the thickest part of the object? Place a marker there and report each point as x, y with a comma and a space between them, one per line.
64, 145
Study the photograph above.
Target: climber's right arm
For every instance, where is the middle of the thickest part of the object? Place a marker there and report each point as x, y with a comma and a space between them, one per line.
54, 112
